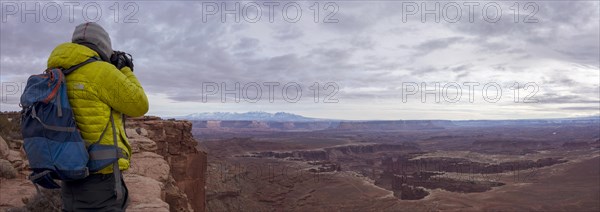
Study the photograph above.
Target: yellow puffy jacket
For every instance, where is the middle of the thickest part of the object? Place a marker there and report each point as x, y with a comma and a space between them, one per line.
93, 90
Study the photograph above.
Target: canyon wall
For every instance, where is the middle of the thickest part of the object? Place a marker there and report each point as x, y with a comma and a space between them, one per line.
263, 125
167, 171
174, 141
325, 153
322, 125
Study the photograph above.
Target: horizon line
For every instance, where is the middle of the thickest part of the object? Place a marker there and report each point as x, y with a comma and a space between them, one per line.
593, 116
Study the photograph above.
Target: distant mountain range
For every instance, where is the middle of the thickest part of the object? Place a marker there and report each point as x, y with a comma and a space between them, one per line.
290, 117
248, 116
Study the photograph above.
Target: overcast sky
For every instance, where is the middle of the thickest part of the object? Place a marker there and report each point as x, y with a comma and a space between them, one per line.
368, 59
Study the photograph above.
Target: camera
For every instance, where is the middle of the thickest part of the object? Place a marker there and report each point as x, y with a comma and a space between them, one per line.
121, 59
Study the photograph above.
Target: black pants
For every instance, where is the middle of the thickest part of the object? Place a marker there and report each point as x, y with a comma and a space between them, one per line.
94, 193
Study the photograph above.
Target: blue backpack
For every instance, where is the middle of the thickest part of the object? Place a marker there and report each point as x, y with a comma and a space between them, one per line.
52, 142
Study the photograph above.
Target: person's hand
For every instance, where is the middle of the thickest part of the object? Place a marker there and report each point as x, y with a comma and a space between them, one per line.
121, 59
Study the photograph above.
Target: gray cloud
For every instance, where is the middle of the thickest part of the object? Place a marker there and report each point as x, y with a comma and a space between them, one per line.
591, 109
552, 98
435, 44
369, 52
567, 28
288, 32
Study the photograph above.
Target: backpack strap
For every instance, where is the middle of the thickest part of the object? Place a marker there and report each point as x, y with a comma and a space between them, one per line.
106, 153
116, 170
109, 154
68, 71
75, 67
50, 127
101, 135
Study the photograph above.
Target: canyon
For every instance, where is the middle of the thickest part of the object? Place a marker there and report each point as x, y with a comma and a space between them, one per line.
327, 165
514, 165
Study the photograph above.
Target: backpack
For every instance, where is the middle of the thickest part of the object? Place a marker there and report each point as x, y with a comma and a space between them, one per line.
52, 142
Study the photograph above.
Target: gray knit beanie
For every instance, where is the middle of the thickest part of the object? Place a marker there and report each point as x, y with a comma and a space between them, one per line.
95, 37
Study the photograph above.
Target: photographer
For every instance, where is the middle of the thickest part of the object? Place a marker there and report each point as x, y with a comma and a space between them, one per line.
110, 87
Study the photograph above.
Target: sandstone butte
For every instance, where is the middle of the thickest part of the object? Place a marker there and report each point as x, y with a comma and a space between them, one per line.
167, 172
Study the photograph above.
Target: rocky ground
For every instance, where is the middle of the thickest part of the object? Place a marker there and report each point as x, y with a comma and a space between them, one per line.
157, 180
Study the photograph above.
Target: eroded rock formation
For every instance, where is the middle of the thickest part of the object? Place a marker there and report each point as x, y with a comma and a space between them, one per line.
174, 142
325, 153
166, 173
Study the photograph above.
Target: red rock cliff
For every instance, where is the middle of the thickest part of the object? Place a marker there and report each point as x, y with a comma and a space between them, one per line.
174, 141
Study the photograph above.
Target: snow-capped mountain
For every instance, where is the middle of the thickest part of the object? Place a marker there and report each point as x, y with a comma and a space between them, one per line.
248, 116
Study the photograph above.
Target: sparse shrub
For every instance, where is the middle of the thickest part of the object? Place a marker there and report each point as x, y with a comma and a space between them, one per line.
10, 129
5, 126
7, 170
49, 200
16, 210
